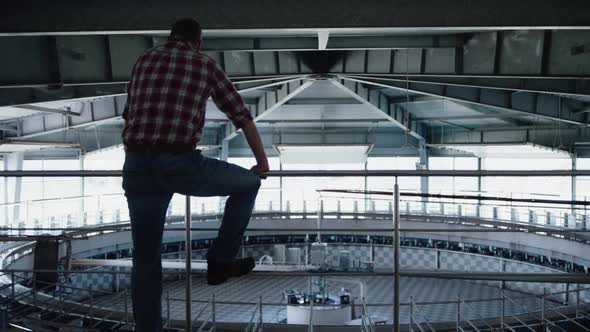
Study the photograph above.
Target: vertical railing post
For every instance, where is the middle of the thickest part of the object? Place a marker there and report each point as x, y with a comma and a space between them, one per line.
411, 315
544, 327
502, 310
213, 312
577, 301
396, 253
320, 217
287, 209
61, 297
167, 308
310, 327
304, 210
260, 313
187, 252
91, 310
126, 306
458, 313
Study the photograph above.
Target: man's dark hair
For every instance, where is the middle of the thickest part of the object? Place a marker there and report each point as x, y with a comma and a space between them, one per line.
186, 28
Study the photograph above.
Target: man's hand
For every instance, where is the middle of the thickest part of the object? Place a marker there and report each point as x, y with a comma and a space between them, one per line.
260, 169
255, 143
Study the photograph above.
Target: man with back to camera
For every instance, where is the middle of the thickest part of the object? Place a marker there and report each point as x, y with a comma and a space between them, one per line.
164, 118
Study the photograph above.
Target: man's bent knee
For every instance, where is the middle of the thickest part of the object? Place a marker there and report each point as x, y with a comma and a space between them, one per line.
255, 182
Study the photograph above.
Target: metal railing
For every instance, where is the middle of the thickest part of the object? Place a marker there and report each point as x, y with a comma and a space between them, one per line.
256, 322
395, 220
414, 309
366, 322
208, 321
100, 316
67, 213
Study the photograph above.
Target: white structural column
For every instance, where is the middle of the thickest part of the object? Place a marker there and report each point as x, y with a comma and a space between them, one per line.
12, 187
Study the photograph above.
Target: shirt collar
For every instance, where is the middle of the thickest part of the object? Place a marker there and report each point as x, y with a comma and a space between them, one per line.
176, 43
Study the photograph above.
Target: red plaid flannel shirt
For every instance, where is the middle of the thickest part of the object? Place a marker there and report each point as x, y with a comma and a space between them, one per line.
168, 93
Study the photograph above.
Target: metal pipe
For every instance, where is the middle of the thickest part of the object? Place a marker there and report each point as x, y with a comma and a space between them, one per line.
396, 249
187, 252
343, 173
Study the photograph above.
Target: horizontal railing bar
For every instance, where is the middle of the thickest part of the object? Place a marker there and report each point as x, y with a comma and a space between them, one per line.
580, 278
340, 173
276, 304
467, 197
513, 229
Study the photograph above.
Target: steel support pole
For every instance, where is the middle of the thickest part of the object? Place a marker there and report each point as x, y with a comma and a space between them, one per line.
396, 253
187, 253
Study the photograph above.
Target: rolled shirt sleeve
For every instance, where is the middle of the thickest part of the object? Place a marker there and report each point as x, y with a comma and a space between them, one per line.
228, 100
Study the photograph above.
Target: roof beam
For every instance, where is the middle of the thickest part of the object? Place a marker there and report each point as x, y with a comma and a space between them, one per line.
75, 16
545, 136
271, 101
378, 102
533, 104
25, 96
48, 110
92, 112
485, 113
567, 86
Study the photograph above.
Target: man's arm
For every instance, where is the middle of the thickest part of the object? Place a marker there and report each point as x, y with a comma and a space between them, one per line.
255, 143
229, 101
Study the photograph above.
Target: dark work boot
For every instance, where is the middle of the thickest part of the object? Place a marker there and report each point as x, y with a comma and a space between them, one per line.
219, 272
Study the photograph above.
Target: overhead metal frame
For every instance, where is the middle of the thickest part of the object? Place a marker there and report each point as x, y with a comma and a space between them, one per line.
73, 17
379, 103
543, 106
271, 101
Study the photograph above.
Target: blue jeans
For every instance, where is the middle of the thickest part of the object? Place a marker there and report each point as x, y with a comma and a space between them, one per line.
149, 180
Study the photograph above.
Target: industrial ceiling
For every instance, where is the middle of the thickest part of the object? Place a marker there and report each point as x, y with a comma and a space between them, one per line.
401, 76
